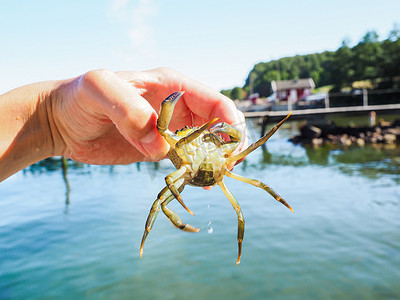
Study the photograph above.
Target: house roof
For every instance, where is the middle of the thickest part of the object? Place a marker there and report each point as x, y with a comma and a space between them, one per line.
281, 85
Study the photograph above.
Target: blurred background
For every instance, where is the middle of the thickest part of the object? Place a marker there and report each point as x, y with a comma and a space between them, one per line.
72, 230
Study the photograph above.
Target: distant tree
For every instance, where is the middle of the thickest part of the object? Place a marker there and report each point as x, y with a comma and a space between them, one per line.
346, 42
227, 93
394, 34
327, 65
343, 67
237, 93
390, 65
369, 59
370, 37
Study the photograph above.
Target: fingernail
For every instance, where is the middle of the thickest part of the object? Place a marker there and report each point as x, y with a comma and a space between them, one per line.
150, 137
152, 145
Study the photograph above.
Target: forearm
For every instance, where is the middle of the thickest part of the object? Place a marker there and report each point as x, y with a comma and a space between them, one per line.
25, 127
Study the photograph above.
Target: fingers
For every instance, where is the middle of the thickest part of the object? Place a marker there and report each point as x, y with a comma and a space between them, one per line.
133, 116
198, 104
200, 101
206, 102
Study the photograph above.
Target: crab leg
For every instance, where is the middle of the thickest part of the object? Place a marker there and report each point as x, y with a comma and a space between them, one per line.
170, 181
165, 196
195, 134
155, 208
175, 219
239, 213
259, 184
167, 108
257, 144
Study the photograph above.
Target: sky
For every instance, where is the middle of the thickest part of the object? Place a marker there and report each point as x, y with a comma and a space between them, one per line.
216, 42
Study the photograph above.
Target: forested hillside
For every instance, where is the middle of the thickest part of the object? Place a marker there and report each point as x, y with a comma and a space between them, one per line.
370, 59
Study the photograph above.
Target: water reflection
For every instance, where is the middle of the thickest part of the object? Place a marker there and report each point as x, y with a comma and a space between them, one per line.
368, 161
55, 164
371, 162
64, 164
267, 156
318, 156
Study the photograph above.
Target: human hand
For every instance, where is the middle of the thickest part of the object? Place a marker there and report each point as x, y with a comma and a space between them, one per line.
110, 118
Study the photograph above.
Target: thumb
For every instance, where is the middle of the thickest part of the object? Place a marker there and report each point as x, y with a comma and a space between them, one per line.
133, 116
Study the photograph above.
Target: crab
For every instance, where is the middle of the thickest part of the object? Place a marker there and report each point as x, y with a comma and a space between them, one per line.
201, 157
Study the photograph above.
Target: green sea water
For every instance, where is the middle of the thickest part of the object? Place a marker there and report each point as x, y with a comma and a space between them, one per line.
342, 242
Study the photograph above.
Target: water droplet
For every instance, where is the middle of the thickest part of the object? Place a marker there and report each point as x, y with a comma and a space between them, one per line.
210, 229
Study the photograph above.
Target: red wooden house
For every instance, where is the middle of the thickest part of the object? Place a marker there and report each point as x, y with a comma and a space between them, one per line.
292, 90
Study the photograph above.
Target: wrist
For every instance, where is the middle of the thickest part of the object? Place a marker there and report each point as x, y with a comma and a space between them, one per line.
27, 135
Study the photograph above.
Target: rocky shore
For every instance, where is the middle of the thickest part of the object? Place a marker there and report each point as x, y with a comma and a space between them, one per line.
329, 133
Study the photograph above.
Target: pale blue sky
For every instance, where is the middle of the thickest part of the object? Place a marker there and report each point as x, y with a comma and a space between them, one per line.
216, 42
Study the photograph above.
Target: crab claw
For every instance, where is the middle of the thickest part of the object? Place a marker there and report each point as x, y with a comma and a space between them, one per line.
167, 108
223, 127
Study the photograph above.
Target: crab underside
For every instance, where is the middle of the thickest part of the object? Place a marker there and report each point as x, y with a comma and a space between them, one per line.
201, 157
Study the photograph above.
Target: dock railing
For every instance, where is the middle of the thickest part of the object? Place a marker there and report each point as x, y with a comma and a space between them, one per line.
356, 101
362, 101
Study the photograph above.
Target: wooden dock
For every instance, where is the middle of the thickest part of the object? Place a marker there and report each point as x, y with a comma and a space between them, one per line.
266, 117
304, 113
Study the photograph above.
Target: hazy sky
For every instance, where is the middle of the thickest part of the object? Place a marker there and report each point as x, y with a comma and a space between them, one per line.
216, 42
